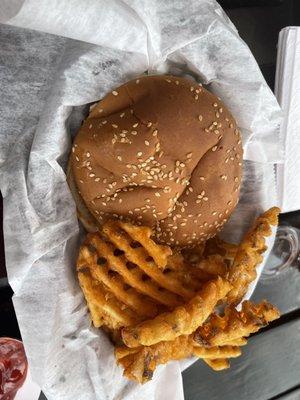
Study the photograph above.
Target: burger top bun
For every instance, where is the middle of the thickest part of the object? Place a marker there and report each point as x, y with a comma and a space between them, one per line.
160, 151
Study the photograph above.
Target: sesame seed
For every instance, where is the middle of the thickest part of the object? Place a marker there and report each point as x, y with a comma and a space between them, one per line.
147, 143
217, 115
177, 82
104, 122
189, 155
139, 154
154, 133
229, 202
215, 123
80, 180
214, 213
224, 177
221, 110
137, 81
122, 115
190, 189
191, 89
119, 158
135, 125
73, 149
205, 198
90, 126
236, 179
149, 124
200, 117
77, 158
196, 97
115, 93
157, 194
97, 179
177, 170
134, 133
215, 104
202, 178
114, 126
214, 148
231, 125
168, 80
182, 165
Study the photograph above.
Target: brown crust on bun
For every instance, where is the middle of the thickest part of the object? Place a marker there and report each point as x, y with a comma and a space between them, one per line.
160, 151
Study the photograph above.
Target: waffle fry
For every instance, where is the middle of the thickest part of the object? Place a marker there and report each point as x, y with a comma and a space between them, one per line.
104, 308
218, 365
183, 320
235, 324
140, 257
217, 352
158, 305
139, 363
114, 273
249, 255
142, 235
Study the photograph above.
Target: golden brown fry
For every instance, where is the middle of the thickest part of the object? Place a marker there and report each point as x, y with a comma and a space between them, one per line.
217, 365
115, 283
217, 352
131, 274
104, 308
183, 320
140, 257
139, 363
249, 255
142, 234
235, 324
237, 342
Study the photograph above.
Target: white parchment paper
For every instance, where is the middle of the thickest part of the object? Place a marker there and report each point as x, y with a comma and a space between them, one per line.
68, 358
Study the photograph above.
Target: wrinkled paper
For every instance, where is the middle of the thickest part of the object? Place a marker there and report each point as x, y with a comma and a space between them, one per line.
70, 359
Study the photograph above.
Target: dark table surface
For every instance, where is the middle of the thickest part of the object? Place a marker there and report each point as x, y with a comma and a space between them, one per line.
270, 366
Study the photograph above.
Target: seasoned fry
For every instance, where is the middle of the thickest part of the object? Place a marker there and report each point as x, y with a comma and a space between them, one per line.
217, 365
249, 255
235, 324
159, 306
142, 234
139, 363
104, 308
182, 321
140, 257
130, 272
115, 283
216, 352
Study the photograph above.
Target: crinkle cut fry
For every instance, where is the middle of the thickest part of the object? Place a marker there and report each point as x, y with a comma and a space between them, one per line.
132, 277
104, 310
235, 324
249, 255
115, 284
142, 235
139, 256
183, 320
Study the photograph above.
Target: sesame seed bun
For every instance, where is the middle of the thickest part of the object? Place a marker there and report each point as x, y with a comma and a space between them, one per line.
160, 151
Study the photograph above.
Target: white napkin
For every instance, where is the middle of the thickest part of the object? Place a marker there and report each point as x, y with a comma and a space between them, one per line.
287, 91
68, 358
